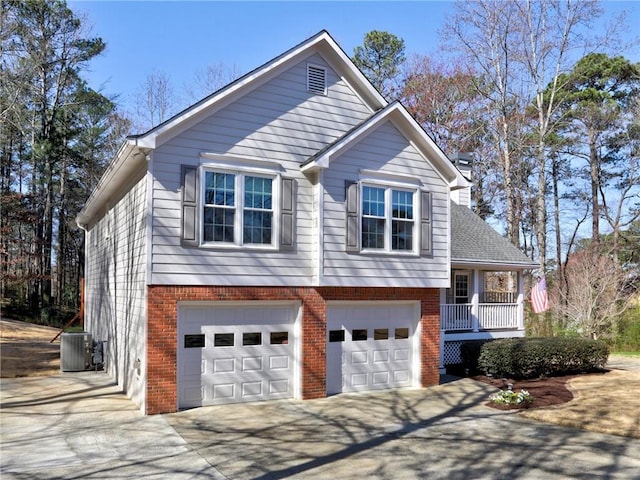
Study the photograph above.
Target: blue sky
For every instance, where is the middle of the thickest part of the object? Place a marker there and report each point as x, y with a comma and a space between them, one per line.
179, 38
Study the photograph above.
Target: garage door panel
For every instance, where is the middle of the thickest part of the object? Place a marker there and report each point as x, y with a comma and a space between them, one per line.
222, 391
247, 354
280, 387
279, 362
401, 354
359, 357
381, 356
359, 379
381, 379
252, 389
252, 364
223, 365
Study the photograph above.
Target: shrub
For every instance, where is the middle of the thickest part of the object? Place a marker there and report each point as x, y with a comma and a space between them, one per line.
469, 354
539, 357
628, 337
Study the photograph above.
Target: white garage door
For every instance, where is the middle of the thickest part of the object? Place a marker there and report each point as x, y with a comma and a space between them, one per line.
235, 353
371, 347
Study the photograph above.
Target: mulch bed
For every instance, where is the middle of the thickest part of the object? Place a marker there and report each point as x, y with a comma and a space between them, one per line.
545, 391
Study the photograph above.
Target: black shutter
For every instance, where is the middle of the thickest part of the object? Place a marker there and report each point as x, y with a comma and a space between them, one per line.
287, 214
426, 247
352, 227
189, 233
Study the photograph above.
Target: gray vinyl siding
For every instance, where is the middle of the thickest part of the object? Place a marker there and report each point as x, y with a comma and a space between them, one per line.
278, 121
462, 197
115, 287
384, 150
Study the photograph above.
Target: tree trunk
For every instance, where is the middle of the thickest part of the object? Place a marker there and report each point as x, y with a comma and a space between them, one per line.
594, 170
541, 207
513, 226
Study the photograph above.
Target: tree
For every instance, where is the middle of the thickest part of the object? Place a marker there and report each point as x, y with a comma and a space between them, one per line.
620, 185
549, 31
442, 97
155, 101
598, 293
379, 58
521, 51
484, 32
599, 101
44, 52
210, 79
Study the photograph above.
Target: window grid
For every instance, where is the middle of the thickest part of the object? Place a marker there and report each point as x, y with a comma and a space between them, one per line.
373, 217
384, 206
402, 220
461, 292
238, 208
258, 211
219, 209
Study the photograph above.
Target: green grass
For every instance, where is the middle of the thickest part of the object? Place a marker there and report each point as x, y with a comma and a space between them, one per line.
74, 329
626, 354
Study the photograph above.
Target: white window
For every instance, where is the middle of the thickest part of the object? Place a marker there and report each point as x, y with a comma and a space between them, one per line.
461, 287
238, 208
388, 220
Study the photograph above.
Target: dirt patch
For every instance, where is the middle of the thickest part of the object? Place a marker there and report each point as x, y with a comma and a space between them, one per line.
26, 351
545, 391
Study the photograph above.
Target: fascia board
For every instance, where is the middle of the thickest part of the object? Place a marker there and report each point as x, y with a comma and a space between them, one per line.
463, 263
411, 130
323, 160
354, 75
450, 173
111, 180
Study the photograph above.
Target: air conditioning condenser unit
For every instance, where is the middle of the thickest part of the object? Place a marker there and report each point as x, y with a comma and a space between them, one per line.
75, 351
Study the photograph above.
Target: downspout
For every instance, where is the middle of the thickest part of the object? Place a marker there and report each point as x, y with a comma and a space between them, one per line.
84, 274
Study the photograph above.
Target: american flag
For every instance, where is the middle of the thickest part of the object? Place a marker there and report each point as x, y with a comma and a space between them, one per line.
539, 301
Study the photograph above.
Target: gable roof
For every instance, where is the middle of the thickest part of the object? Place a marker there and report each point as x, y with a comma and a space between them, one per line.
322, 42
407, 125
474, 242
134, 150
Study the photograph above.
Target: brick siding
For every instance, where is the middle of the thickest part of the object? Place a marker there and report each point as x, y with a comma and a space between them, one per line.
162, 330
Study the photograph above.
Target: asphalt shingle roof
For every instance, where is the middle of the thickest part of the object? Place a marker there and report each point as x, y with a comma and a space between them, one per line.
475, 241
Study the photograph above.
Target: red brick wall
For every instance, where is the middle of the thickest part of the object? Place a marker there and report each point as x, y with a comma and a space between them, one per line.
162, 331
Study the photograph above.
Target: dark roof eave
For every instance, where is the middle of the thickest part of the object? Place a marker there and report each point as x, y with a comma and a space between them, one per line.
493, 264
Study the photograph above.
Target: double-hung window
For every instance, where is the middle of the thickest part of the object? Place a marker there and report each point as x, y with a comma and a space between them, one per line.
388, 220
238, 208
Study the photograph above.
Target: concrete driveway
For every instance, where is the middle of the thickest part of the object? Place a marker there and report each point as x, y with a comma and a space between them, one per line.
79, 426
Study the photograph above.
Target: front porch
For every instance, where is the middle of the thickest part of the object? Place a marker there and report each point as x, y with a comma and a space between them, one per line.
480, 305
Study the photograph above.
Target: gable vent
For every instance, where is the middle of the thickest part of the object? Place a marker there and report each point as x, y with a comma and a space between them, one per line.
316, 79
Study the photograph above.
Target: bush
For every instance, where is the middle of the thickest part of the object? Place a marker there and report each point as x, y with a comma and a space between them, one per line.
628, 338
470, 353
539, 357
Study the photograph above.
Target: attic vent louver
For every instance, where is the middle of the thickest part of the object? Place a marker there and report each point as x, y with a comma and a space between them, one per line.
316, 79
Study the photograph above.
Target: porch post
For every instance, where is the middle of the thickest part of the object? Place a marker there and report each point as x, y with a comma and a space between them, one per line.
475, 301
520, 300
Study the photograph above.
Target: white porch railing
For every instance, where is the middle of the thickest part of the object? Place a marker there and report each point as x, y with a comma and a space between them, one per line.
491, 316
497, 316
456, 317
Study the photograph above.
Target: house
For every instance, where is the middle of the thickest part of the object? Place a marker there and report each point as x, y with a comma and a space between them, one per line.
287, 236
